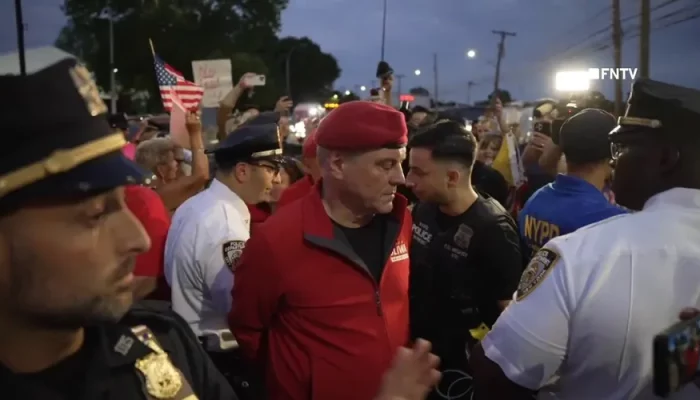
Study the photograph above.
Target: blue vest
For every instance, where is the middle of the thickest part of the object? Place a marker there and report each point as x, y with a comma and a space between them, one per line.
562, 207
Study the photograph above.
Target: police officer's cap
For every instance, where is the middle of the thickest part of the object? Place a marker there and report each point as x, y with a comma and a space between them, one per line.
661, 107
58, 141
583, 138
265, 118
257, 141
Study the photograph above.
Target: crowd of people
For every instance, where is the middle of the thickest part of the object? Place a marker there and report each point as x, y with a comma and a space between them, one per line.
402, 255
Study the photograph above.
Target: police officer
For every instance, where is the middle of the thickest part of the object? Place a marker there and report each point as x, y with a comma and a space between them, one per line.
67, 250
209, 231
574, 199
590, 303
465, 254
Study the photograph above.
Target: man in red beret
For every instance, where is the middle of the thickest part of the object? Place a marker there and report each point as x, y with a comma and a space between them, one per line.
320, 299
302, 187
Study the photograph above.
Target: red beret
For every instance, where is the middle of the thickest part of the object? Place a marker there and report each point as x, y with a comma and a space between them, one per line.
308, 150
362, 125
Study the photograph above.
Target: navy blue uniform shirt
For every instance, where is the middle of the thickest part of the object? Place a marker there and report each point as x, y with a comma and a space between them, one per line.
562, 207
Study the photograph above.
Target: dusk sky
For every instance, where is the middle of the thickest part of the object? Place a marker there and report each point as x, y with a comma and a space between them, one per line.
416, 29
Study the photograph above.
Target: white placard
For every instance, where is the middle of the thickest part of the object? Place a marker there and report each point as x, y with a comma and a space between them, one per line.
215, 77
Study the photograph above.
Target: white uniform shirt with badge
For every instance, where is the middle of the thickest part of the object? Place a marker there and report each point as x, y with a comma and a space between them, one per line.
206, 238
582, 323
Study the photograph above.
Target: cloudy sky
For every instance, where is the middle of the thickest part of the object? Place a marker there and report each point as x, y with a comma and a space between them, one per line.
418, 29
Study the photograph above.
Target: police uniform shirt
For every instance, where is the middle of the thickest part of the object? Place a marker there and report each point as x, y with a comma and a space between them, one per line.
461, 267
104, 367
562, 207
206, 238
590, 303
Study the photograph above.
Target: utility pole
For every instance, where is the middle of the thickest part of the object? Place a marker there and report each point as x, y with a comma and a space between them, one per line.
501, 53
470, 84
19, 21
384, 30
435, 77
399, 77
617, 45
644, 38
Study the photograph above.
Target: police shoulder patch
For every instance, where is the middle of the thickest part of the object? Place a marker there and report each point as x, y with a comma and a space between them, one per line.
231, 252
536, 271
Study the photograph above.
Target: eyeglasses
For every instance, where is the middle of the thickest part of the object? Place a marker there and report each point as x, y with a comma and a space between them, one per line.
272, 168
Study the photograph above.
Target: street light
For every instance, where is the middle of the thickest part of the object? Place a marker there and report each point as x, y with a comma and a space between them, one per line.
363, 88
471, 53
417, 72
347, 93
572, 81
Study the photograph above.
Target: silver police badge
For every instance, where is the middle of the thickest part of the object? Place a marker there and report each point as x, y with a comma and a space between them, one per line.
232, 251
463, 236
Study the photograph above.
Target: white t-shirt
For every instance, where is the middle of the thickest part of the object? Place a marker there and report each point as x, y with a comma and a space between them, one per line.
582, 324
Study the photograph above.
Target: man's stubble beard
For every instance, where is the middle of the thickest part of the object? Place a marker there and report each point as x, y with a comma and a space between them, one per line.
28, 302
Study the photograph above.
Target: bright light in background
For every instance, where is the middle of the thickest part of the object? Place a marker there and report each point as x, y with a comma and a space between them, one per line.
347, 93
116, 70
335, 96
417, 72
299, 129
471, 53
313, 112
363, 88
572, 81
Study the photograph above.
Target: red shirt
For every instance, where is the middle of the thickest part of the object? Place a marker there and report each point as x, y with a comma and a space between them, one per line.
149, 209
317, 322
258, 214
296, 191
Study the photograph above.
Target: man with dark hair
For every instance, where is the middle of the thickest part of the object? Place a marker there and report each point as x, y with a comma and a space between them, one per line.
574, 199
465, 253
68, 242
209, 231
590, 303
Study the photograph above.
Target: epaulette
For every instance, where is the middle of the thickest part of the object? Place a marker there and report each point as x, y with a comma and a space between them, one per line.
157, 315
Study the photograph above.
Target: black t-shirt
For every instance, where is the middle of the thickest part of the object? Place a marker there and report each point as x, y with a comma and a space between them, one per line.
461, 266
368, 243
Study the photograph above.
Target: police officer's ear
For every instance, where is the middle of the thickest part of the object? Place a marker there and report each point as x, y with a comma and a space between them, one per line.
242, 172
454, 176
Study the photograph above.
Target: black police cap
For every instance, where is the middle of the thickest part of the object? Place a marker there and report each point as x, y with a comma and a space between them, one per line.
254, 141
655, 105
65, 148
583, 138
265, 118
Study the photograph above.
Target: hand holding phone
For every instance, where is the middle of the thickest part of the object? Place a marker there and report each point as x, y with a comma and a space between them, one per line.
543, 127
254, 80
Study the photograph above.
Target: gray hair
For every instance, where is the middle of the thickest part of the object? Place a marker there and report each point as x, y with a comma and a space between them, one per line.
153, 152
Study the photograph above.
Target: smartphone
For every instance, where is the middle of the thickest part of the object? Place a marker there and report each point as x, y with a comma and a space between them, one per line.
543, 127
676, 357
257, 80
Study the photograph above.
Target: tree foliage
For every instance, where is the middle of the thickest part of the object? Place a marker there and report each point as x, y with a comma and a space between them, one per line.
186, 30
419, 91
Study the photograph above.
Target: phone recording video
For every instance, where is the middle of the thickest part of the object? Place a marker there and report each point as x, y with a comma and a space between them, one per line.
676, 357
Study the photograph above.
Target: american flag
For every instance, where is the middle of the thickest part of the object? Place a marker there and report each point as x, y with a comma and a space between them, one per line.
171, 81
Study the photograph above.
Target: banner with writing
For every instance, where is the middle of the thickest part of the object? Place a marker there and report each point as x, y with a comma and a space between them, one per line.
215, 77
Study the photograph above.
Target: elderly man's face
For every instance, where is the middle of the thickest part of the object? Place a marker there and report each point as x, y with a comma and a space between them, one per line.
372, 178
69, 264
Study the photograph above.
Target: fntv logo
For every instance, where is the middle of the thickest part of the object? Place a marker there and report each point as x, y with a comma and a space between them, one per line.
612, 73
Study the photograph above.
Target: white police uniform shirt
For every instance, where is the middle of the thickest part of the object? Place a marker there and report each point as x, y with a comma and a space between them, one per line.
205, 240
582, 323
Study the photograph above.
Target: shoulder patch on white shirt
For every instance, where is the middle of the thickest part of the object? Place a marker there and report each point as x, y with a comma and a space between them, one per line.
232, 251
538, 269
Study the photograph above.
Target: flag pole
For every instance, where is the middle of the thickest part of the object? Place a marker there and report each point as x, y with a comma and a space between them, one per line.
153, 53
